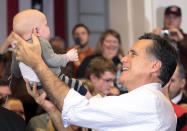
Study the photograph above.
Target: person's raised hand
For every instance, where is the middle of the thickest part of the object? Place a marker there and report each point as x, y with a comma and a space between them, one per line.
39, 97
8, 44
157, 31
175, 34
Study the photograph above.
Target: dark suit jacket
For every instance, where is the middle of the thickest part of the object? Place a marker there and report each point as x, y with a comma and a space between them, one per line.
10, 121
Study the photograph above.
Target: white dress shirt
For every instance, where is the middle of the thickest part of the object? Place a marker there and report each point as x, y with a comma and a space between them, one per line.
177, 98
143, 109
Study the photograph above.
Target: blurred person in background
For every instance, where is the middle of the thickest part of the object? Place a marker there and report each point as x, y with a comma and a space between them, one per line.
57, 42
102, 73
109, 47
172, 29
14, 104
81, 36
9, 120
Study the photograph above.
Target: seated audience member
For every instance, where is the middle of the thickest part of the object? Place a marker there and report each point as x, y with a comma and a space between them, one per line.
149, 108
9, 120
177, 86
14, 104
101, 72
179, 111
4, 90
81, 36
172, 29
57, 42
5, 65
108, 46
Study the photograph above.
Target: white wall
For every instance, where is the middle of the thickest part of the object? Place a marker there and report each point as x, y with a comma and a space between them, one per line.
159, 6
3, 18
120, 19
133, 18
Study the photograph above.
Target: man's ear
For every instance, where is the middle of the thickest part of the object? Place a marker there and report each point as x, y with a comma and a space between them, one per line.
183, 82
92, 77
35, 31
156, 66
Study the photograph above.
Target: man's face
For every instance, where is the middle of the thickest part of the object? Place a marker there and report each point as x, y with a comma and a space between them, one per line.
137, 65
104, 83
176, 84
82, 33
172, 21
4, 91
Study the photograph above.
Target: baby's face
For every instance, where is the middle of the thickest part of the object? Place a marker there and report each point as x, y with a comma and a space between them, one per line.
44, 30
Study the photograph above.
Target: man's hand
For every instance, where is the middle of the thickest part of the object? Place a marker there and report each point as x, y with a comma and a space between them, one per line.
157, 31
28, 53
40, 98
175, 34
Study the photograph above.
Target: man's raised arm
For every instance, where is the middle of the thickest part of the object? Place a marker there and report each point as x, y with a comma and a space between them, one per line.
30, 54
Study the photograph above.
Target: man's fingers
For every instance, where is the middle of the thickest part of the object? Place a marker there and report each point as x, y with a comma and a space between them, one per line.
43, 95
28, 87
35, 39
36, 44
34, 87
18, 38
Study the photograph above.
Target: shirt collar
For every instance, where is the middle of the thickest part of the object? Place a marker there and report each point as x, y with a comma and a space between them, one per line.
177, 98
156, 86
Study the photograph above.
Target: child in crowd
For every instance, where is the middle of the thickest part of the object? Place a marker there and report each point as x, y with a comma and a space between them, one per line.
31, 21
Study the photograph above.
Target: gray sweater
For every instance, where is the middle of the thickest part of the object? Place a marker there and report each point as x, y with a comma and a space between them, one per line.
54, 61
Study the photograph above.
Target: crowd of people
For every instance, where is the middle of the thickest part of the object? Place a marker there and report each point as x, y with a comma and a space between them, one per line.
79, 88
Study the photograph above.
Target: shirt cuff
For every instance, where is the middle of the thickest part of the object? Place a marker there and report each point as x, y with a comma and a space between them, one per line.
71, 100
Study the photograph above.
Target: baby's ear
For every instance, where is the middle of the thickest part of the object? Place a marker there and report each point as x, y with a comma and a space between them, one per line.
35, 31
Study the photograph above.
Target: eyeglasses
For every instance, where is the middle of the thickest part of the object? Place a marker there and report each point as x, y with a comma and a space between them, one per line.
108, 80
112, 41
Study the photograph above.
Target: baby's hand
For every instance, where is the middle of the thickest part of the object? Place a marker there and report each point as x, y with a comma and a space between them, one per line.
72, 55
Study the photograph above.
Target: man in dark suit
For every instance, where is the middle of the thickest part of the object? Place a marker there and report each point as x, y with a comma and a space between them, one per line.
177, 85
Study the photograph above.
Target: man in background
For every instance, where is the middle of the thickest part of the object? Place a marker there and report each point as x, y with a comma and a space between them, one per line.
81, 36
172, 29
102, 73
176, 86
9, 120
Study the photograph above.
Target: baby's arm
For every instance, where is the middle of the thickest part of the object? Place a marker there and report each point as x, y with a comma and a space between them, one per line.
55, 60
72, 55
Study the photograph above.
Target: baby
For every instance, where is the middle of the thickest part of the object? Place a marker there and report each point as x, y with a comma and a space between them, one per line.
26, 23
